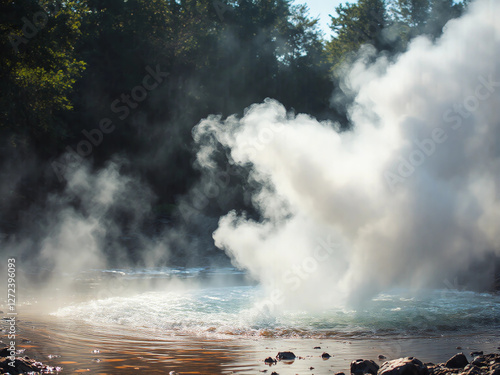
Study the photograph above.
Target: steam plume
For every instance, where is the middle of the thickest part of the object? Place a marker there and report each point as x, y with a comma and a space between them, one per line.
410, 197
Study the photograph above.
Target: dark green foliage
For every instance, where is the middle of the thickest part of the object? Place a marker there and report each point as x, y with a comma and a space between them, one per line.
388, 25
355, 25
76, 62
38, 69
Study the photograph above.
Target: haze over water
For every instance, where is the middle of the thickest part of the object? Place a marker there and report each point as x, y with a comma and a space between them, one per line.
194, 303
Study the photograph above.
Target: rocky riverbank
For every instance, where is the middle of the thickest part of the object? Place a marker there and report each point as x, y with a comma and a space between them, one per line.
488, 364
481, 364
14, 365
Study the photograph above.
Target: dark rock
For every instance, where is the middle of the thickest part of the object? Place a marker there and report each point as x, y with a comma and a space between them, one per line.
459, 348
364, 366
403, 366
339, 373
274, 373
4, 352
285, 356
457, 361
479, 361
475, 354
325, 355
269, 360
317, 347
311, 368
381, 357
21, 366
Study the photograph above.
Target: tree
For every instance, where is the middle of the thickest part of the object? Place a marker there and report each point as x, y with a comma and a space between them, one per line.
440, 13
422, 17
38, 69
303, 71
355, 25
413, 13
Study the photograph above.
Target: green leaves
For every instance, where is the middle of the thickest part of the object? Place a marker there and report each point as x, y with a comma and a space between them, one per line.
355, 25
387, 25
39, 67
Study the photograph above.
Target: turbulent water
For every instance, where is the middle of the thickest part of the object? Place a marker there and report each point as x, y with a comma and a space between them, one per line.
192, 302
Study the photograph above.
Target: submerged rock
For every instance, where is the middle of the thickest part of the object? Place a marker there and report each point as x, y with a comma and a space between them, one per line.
457, 361
403, 366
325, 355
364, 366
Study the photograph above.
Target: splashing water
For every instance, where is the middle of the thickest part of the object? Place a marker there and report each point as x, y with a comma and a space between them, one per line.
237, 310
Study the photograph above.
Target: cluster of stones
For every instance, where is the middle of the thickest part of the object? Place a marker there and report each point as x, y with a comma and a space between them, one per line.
22, 365
488, 364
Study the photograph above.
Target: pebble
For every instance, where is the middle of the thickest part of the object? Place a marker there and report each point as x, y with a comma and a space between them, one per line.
286, 356
269, 360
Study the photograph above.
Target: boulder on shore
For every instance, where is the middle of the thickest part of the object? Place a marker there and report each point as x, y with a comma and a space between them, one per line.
457, 361
403, 366
364, 366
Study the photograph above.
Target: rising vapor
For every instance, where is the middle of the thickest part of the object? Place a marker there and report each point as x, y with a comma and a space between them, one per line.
409, 198
95, 222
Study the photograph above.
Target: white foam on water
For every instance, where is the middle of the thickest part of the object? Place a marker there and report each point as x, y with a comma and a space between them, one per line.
229, 311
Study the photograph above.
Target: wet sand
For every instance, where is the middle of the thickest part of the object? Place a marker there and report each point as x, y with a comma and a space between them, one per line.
86, 348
